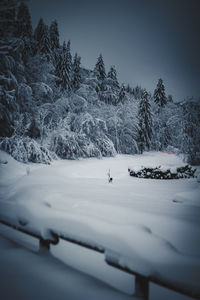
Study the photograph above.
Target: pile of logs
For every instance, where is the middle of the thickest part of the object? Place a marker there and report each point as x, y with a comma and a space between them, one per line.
160, 173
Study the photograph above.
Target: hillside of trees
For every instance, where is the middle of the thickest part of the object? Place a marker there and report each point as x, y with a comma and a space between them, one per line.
50, 106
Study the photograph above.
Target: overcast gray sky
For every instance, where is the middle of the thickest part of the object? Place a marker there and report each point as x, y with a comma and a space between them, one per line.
144, 39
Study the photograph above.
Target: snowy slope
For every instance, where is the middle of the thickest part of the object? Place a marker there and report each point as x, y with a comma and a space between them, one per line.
138, 218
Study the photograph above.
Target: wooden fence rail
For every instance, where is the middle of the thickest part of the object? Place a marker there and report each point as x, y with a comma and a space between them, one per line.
141, 281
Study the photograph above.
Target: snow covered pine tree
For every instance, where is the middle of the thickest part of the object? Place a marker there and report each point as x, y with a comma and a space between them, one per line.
159, 94
145, 123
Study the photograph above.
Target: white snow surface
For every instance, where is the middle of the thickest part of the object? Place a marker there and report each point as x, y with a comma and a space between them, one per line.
149, 225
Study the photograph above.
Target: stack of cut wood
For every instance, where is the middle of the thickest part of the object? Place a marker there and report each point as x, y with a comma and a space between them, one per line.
163, 173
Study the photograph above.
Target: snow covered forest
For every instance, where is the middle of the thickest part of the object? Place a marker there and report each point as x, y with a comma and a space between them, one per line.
51, 106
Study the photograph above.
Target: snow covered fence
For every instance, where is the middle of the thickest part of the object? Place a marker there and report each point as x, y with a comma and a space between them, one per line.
137, 268
44, 243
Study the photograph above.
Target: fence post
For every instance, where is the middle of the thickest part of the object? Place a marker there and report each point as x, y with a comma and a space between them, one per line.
44, 246
141, 287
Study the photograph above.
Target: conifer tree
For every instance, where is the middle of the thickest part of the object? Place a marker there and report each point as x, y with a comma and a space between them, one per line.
11, 66
61, 68
8, 23
57, 62
54, 35
145, 122
76, 78
39, 30
44, 45
191, 132
56, 58
128, 89
170, 99
24, 26
159, 94
100, 68
65, 67
137, 92
112, 74
41, 35
69, 65
122, 93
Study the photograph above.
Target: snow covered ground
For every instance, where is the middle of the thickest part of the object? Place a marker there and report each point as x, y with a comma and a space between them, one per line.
153, 224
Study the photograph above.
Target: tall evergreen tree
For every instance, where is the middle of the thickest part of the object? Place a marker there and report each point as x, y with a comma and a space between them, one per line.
57, 63
44, 45
41, 35
137, 92
54, 35
8, 23
39, 30
145, 123
100, 68
24, 26
76, 77
11, 66
128, 89
62, 71
122, 93
55, 46
65, 67
112, 74
159, 94
191, 132
69, 65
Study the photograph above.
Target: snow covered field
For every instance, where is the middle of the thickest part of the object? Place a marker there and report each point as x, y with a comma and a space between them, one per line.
154, 224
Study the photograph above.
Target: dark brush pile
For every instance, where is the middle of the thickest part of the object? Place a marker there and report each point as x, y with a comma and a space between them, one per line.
156, 173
